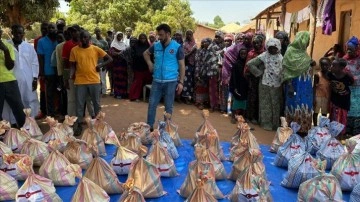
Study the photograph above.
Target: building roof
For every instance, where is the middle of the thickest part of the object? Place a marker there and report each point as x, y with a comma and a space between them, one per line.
247, 27
231, 28
207, 27
270, 8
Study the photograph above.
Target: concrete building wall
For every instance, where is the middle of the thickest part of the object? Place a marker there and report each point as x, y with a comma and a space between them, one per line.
203, 32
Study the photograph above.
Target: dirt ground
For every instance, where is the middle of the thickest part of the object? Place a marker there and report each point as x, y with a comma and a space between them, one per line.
121, 113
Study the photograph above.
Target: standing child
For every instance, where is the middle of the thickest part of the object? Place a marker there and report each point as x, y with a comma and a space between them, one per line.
340, 91
321, 90
238, 85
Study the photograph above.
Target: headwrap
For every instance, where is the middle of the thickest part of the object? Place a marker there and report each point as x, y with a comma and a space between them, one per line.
209, 40
296, 60
128, 29
119, 45
353, 41
219, 33
152, 33
239, 35
286, 40
273, 42
261, 34
229, 37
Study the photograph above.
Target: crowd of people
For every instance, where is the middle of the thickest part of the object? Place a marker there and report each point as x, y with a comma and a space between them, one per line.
263, 79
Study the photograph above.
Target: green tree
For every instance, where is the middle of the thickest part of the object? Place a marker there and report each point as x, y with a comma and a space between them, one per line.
170, 15
218, 22
26, 12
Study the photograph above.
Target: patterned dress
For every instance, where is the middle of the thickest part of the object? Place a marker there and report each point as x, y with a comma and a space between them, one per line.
188, 90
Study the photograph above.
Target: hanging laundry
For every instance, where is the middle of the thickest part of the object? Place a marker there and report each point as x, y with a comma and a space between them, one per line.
329, 16
320, 13
303, 14
287, 22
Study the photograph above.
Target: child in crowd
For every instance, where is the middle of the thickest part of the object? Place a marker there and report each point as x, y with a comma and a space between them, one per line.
340, 92
321, 90
238, 86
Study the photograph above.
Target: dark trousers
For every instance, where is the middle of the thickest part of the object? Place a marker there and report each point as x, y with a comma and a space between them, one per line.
9, 92
50, 89
42, 95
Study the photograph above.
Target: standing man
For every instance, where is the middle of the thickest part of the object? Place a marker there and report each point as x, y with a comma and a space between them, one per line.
9, 90
45, 48
60, 25
26, 71
169, 61
128, 33
84, 66
101, 43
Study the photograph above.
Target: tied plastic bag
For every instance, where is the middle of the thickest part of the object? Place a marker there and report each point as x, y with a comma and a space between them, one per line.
31, 126
166, 140
355, 140
143, 130
8, 187
324, 187
55, 133
282, 134
37, 188
346, 168
104, 129
57, 168
79, 152
122, 160
301, 168
159, 156
204, 128
172, 129
130, 140
89, 191
355, 194
246, 141
4, 149
332, 148
100, 172
146, 176
18, 166
93, 139
250, 187
235, 138
199, 194
37, 150
294, 145
131, 193
319, 134
196, 170
253, 158
14, 138
66, 125
205, 155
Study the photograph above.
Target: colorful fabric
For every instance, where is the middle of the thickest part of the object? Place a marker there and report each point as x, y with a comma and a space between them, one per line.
5, 74
238, 104
46, 47
86, 61
296, 60
339, 115
223, 96
188, 48
329, 16
238, 85
269, 106
188, 90
299, 106
213, 92
201, 92
120, 74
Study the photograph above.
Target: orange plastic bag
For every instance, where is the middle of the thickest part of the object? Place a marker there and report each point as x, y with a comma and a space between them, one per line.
57, 168
55, 133
79, 152
100, 172
19, 166
200, 194
8, 187
66, 125
93, 139
37, 150
143, 130
15, 138
37, 188
122, 160
246, 141
131, 193
4, 149
159, 156
31, 126
89, 191
146, 177
172, 129
206, 155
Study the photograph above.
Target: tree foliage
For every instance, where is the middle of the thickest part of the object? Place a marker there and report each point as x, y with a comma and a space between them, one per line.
171, 15
218, 22
26, 12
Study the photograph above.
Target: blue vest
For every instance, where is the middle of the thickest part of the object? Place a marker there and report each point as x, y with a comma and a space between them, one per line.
166, 66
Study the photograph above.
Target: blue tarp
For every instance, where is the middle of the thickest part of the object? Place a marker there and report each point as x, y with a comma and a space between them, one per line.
171, 185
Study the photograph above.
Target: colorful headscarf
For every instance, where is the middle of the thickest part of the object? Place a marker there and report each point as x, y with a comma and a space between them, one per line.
219, 33
286, 40
119, 45
273, 42
296, 60
229, 37
353, 41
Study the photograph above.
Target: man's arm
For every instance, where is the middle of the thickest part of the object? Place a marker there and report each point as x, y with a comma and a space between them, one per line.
72, 69
41, 59
34, 68
147, 58
107, 60
9, 62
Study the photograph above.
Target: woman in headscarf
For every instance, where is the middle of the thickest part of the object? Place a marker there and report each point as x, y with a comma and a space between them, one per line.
135, 59
297, 68
206, 73
190, 51
268, 66
120, 74
353, 66
239, 37
284, 40
253, 94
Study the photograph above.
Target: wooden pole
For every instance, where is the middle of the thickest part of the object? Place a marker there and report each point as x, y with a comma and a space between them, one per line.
312, 27
283, 13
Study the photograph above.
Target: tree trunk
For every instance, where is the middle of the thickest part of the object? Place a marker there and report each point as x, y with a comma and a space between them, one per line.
13, 12
312, 27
